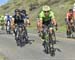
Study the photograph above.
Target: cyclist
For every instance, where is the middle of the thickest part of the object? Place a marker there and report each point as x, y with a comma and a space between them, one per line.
69, 21
46, 17
26, 18
17, 19
23, 12
7, 19
2, 22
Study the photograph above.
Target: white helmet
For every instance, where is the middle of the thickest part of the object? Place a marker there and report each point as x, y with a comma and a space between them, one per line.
46, 8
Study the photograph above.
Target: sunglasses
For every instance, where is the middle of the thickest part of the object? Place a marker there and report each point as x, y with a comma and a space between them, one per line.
46, 11
17, 12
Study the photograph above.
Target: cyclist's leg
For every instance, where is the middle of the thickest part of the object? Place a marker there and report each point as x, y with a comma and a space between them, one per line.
51, 33
2, 26
13, 29
12, 26
43, 35
26, 32
72, 25
50, 28
68, 29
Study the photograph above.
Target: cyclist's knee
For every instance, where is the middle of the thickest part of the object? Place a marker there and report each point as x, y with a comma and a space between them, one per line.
50, 29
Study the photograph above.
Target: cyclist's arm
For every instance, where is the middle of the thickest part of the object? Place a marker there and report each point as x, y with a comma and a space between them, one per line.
53, 19
12, 21
26, 21
40, 19
67, 17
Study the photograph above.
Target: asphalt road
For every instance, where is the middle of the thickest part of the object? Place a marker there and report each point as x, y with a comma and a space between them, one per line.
65, 48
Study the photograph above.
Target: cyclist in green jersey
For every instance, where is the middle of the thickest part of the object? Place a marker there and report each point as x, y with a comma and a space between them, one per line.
46, 17
2, 22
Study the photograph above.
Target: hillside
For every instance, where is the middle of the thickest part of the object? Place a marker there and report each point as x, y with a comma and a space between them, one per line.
60, 7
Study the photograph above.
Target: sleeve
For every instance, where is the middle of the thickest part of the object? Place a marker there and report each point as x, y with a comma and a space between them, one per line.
27, 17
52, 15
41, 14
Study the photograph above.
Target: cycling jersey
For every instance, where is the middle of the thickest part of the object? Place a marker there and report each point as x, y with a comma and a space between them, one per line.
46, 19
2, 19
18, 19
8, 18
25, 16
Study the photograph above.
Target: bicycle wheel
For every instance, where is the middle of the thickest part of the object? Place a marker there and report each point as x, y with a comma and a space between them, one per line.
8, 29
45, 43
53, 37
46, 47
51, 45
25, 36
72, 29
68, 34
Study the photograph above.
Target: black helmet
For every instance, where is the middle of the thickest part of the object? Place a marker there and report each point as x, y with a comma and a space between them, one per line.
23, 11
17, 10
70, 10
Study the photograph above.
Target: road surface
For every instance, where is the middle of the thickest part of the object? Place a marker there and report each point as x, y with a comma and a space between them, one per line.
65, 48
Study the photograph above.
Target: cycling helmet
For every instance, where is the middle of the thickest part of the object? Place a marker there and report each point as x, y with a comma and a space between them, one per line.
70, 10
17, 10
23, 11
46, 8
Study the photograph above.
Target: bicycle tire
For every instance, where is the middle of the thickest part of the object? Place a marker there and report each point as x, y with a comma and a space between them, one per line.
51, 45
